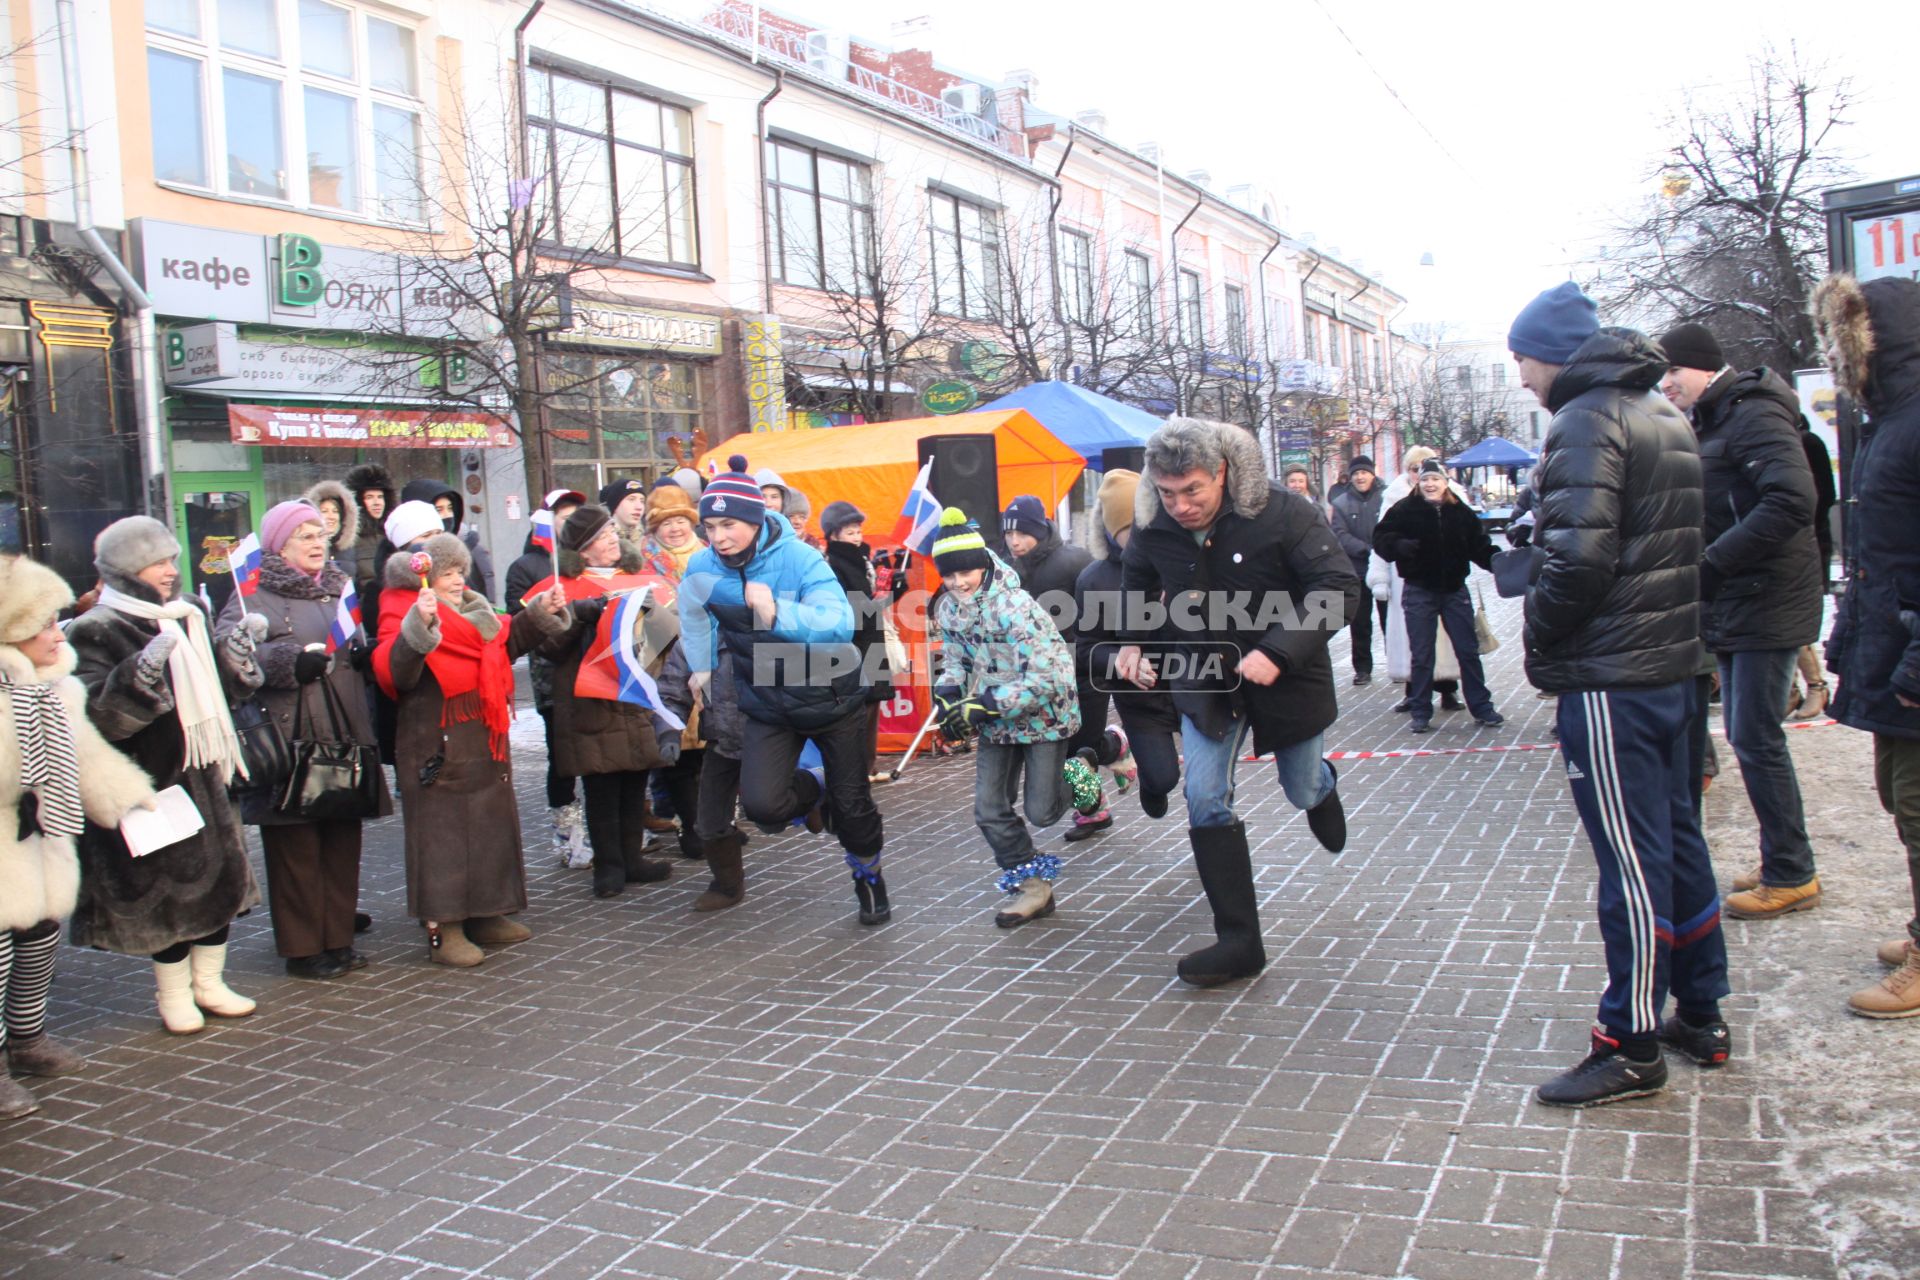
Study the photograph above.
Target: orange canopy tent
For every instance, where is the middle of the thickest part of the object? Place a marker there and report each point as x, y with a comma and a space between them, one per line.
873, 467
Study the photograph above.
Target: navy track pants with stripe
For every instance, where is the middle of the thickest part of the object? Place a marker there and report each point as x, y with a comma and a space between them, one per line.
1627, 762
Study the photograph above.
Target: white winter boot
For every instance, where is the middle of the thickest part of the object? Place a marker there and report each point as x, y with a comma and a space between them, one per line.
173, 987
210, 989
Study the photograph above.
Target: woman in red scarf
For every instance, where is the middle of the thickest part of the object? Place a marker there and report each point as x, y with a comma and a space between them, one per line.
446, 657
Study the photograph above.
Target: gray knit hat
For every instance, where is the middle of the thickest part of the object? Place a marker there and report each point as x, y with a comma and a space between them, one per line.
129, 545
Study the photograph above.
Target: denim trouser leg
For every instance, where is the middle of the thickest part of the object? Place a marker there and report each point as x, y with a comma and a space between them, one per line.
996, 778
1753, 696
1304, 775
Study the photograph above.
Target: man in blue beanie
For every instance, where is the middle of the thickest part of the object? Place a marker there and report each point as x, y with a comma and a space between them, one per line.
1613, 628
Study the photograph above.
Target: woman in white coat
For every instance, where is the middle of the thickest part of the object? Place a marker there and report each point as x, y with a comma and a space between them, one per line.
1384, 581
56, 771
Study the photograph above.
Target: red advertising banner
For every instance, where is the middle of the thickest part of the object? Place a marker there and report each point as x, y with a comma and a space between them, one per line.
366, 428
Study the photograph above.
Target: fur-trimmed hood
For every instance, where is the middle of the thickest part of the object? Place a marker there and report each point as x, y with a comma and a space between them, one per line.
1871, 335
371, 475
1094, 538
1248, 487
349, 510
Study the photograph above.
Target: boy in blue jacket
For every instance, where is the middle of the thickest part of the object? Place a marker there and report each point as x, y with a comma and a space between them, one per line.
788, 632
1005, 673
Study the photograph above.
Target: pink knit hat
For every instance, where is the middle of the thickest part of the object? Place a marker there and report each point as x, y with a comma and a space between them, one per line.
281, 521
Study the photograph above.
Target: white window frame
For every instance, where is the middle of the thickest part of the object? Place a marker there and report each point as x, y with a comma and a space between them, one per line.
966, 294
294, 80
1233, 307
1076, 275
1140, 299
1189, 308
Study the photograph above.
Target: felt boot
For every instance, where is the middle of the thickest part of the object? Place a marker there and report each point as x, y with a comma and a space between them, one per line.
496, 931
42, 1056
1225, 864
173, 992
15, 1101
210, 989
447, 944
729, 884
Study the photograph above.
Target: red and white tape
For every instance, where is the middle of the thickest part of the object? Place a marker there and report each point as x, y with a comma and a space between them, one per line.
1496, 749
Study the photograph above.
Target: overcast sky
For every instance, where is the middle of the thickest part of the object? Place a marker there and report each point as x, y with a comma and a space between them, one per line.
1532, 125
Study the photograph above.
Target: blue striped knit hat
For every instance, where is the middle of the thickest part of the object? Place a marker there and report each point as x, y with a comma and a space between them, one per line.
735, 495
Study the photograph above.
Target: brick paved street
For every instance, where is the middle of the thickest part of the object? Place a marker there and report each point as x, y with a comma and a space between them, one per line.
776, 1092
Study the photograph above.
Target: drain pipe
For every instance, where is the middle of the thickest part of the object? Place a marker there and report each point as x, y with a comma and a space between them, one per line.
760, 169
156, 492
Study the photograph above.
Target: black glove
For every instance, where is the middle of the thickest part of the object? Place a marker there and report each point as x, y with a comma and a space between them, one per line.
1520, 536
589, 610
311, 665
360, 655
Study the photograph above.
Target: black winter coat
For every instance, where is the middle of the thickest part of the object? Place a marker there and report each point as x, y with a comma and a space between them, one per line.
1434, 545
1875, 648
1097, 596
1617, 499
480, 577
1761, 577
1048, 573
854, 572
1274, 550
1353, 516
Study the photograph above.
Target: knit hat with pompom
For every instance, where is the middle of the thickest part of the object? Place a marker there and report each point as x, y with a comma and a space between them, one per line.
959, 545
734, 495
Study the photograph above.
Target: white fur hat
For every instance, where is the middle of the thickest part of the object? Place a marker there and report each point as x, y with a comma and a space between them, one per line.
31, 596
412, 520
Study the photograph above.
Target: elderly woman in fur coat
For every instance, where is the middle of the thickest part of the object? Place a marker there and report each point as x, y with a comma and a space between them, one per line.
55, 772
159, 688
313, 868
446, 657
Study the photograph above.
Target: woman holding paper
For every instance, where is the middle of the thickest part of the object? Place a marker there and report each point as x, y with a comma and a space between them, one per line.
446, 658
313, 868
158, 687
55, 771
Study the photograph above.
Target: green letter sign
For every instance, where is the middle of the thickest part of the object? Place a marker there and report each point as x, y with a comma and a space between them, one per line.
300, 281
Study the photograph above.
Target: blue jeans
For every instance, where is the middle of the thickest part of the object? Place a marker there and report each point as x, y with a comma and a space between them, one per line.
997, 780
1304, 775
1753, 697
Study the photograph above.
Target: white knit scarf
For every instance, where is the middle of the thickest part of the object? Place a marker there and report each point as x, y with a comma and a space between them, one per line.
197, 694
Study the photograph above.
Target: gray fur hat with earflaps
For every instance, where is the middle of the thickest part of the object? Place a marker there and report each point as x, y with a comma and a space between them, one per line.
129, 545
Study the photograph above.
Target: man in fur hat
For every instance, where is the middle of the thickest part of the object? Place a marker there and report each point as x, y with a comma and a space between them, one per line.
1212, 532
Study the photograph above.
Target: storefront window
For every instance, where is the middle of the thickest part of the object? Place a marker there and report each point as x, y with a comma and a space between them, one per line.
612, 416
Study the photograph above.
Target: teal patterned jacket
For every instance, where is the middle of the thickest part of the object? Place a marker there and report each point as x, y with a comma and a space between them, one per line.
1002, 642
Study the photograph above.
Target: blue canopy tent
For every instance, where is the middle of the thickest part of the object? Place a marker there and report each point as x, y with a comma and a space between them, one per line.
1492, 452
1085, 421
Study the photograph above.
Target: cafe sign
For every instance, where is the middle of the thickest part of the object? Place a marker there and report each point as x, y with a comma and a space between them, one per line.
943, 398
311, 428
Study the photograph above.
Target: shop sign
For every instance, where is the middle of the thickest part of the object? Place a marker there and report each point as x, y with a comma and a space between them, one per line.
262, 424
293, 279
943, 398
985, 360
203, 353
766, 374
240, 366
614, 324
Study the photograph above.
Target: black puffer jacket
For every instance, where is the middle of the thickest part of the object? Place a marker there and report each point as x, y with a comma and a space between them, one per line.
1271, 553
1617, 496
1873, 332
1761, 576
1434, 545
480, 578
1098, 596
1354, 516
855, 574
1048, 572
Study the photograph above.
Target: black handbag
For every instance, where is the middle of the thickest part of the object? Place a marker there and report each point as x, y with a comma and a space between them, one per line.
263, 747
335, 780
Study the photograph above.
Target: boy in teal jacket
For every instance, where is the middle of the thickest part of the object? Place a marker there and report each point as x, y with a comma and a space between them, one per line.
1005, 673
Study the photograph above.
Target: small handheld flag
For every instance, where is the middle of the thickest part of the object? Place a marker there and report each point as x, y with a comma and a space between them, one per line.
346, 620
543, 529
636, 686
920, 517
244, 562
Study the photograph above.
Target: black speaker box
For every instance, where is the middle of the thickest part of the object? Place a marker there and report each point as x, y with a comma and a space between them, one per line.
966, 474
1126, 457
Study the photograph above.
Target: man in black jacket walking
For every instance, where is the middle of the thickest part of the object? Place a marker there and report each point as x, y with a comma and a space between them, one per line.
1257, 588
1354, 509
1613, 628
1760, 583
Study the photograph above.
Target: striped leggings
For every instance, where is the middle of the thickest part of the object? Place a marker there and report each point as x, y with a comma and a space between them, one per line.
26, 975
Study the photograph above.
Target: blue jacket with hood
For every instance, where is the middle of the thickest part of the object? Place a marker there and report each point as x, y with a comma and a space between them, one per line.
804, 671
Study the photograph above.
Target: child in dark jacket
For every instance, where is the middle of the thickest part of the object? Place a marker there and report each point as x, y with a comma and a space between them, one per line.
1005, 673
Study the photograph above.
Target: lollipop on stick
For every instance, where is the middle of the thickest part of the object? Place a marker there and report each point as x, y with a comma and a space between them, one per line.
421, 563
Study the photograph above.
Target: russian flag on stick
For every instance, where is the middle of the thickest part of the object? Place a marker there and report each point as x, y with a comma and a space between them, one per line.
244, 562
920, 517
543, 529
636, 686
346, 620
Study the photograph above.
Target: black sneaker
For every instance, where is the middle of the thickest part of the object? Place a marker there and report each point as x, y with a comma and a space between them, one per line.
1363, 677
1403, 706
1606, 1075
316, 967
1708, 1046
1491, 718
1420, 726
